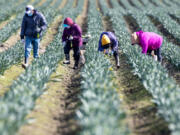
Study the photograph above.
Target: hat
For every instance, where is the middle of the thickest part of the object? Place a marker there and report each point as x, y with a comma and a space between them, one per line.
105, 40
68, 21
29, 8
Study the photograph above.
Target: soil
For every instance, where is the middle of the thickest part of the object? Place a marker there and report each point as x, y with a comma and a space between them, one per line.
75, 3
163, 30
141, 112
109, 3
63, 3
172, 70
55, 109
121, 4
41, 3
12, 40
4, 23
141, 1
132, 4
153, 3
175, 18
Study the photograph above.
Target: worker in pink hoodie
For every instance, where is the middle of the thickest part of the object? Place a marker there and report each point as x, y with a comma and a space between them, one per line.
149, 41
72, 39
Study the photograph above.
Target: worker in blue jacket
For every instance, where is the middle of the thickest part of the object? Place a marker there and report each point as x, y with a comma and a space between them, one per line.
107, 42
33, 25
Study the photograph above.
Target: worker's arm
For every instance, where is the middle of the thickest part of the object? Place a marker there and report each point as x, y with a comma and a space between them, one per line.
100, 44
144, 43
43, 22
23, 27
78, 35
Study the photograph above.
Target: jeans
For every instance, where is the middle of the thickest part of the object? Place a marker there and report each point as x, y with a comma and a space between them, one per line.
29, 43
156, 52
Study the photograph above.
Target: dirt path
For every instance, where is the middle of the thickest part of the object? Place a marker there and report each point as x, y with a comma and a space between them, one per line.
141, 113
63, 3
4, 23
41, 3
75, 3
12, 73
55, 109
163, 30
121, 4
109, 3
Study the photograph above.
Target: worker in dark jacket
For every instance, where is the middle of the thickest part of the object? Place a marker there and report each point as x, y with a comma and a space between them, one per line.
72, 39
33, 24
107, 42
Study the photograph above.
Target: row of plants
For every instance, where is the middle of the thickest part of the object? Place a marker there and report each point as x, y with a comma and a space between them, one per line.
15, 54
15, 24
169, 50
154, 77
101, 110
20, 99
9, 9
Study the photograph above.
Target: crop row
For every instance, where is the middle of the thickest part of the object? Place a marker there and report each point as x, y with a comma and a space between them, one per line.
15, 54
21, 97
15, 24
101, 109
154, 77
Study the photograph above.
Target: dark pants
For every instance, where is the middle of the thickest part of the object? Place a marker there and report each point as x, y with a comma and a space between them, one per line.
76, 50
156, 52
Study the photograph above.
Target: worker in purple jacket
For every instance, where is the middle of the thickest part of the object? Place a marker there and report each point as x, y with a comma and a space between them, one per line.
72, 39
108, 41
149, 41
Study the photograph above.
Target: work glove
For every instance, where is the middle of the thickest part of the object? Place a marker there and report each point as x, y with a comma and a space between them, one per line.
71, 38
64, 43
38, 30
22, 41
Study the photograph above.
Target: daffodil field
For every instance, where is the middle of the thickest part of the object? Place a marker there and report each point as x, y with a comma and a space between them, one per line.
103, 100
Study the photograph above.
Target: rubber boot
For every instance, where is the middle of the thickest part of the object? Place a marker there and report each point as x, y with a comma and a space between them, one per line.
25, 64
67, 61
117, 61
76, 64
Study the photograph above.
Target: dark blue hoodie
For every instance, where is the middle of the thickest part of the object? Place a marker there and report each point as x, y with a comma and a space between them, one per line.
33, 25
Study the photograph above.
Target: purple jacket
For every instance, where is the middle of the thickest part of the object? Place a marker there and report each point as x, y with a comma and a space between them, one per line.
74, 31
149, 41
113, 39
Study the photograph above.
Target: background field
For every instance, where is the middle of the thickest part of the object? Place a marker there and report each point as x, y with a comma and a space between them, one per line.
142, 97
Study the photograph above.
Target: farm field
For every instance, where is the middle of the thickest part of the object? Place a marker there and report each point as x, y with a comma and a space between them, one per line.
142, 97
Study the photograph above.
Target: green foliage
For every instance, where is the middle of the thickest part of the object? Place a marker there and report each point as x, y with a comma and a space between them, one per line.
154, 77
15, 54
101, 112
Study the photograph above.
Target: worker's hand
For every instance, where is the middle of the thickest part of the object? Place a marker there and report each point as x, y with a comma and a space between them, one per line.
22, 41
71, 38
64, 43
38, 30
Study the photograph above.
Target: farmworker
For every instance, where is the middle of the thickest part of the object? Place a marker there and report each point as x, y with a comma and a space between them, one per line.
33, 24
107, 42
149, 41
71, 39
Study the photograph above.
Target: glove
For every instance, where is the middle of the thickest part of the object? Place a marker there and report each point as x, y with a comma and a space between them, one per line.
71, 38
38, 30
64, 43
22, 41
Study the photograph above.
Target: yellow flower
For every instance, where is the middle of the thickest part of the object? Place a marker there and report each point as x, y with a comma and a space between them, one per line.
111, 69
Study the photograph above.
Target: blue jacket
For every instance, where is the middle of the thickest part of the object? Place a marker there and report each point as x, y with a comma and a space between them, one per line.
33, 25
114, 41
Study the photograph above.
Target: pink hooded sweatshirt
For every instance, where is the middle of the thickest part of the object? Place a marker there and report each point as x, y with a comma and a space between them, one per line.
149, 41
